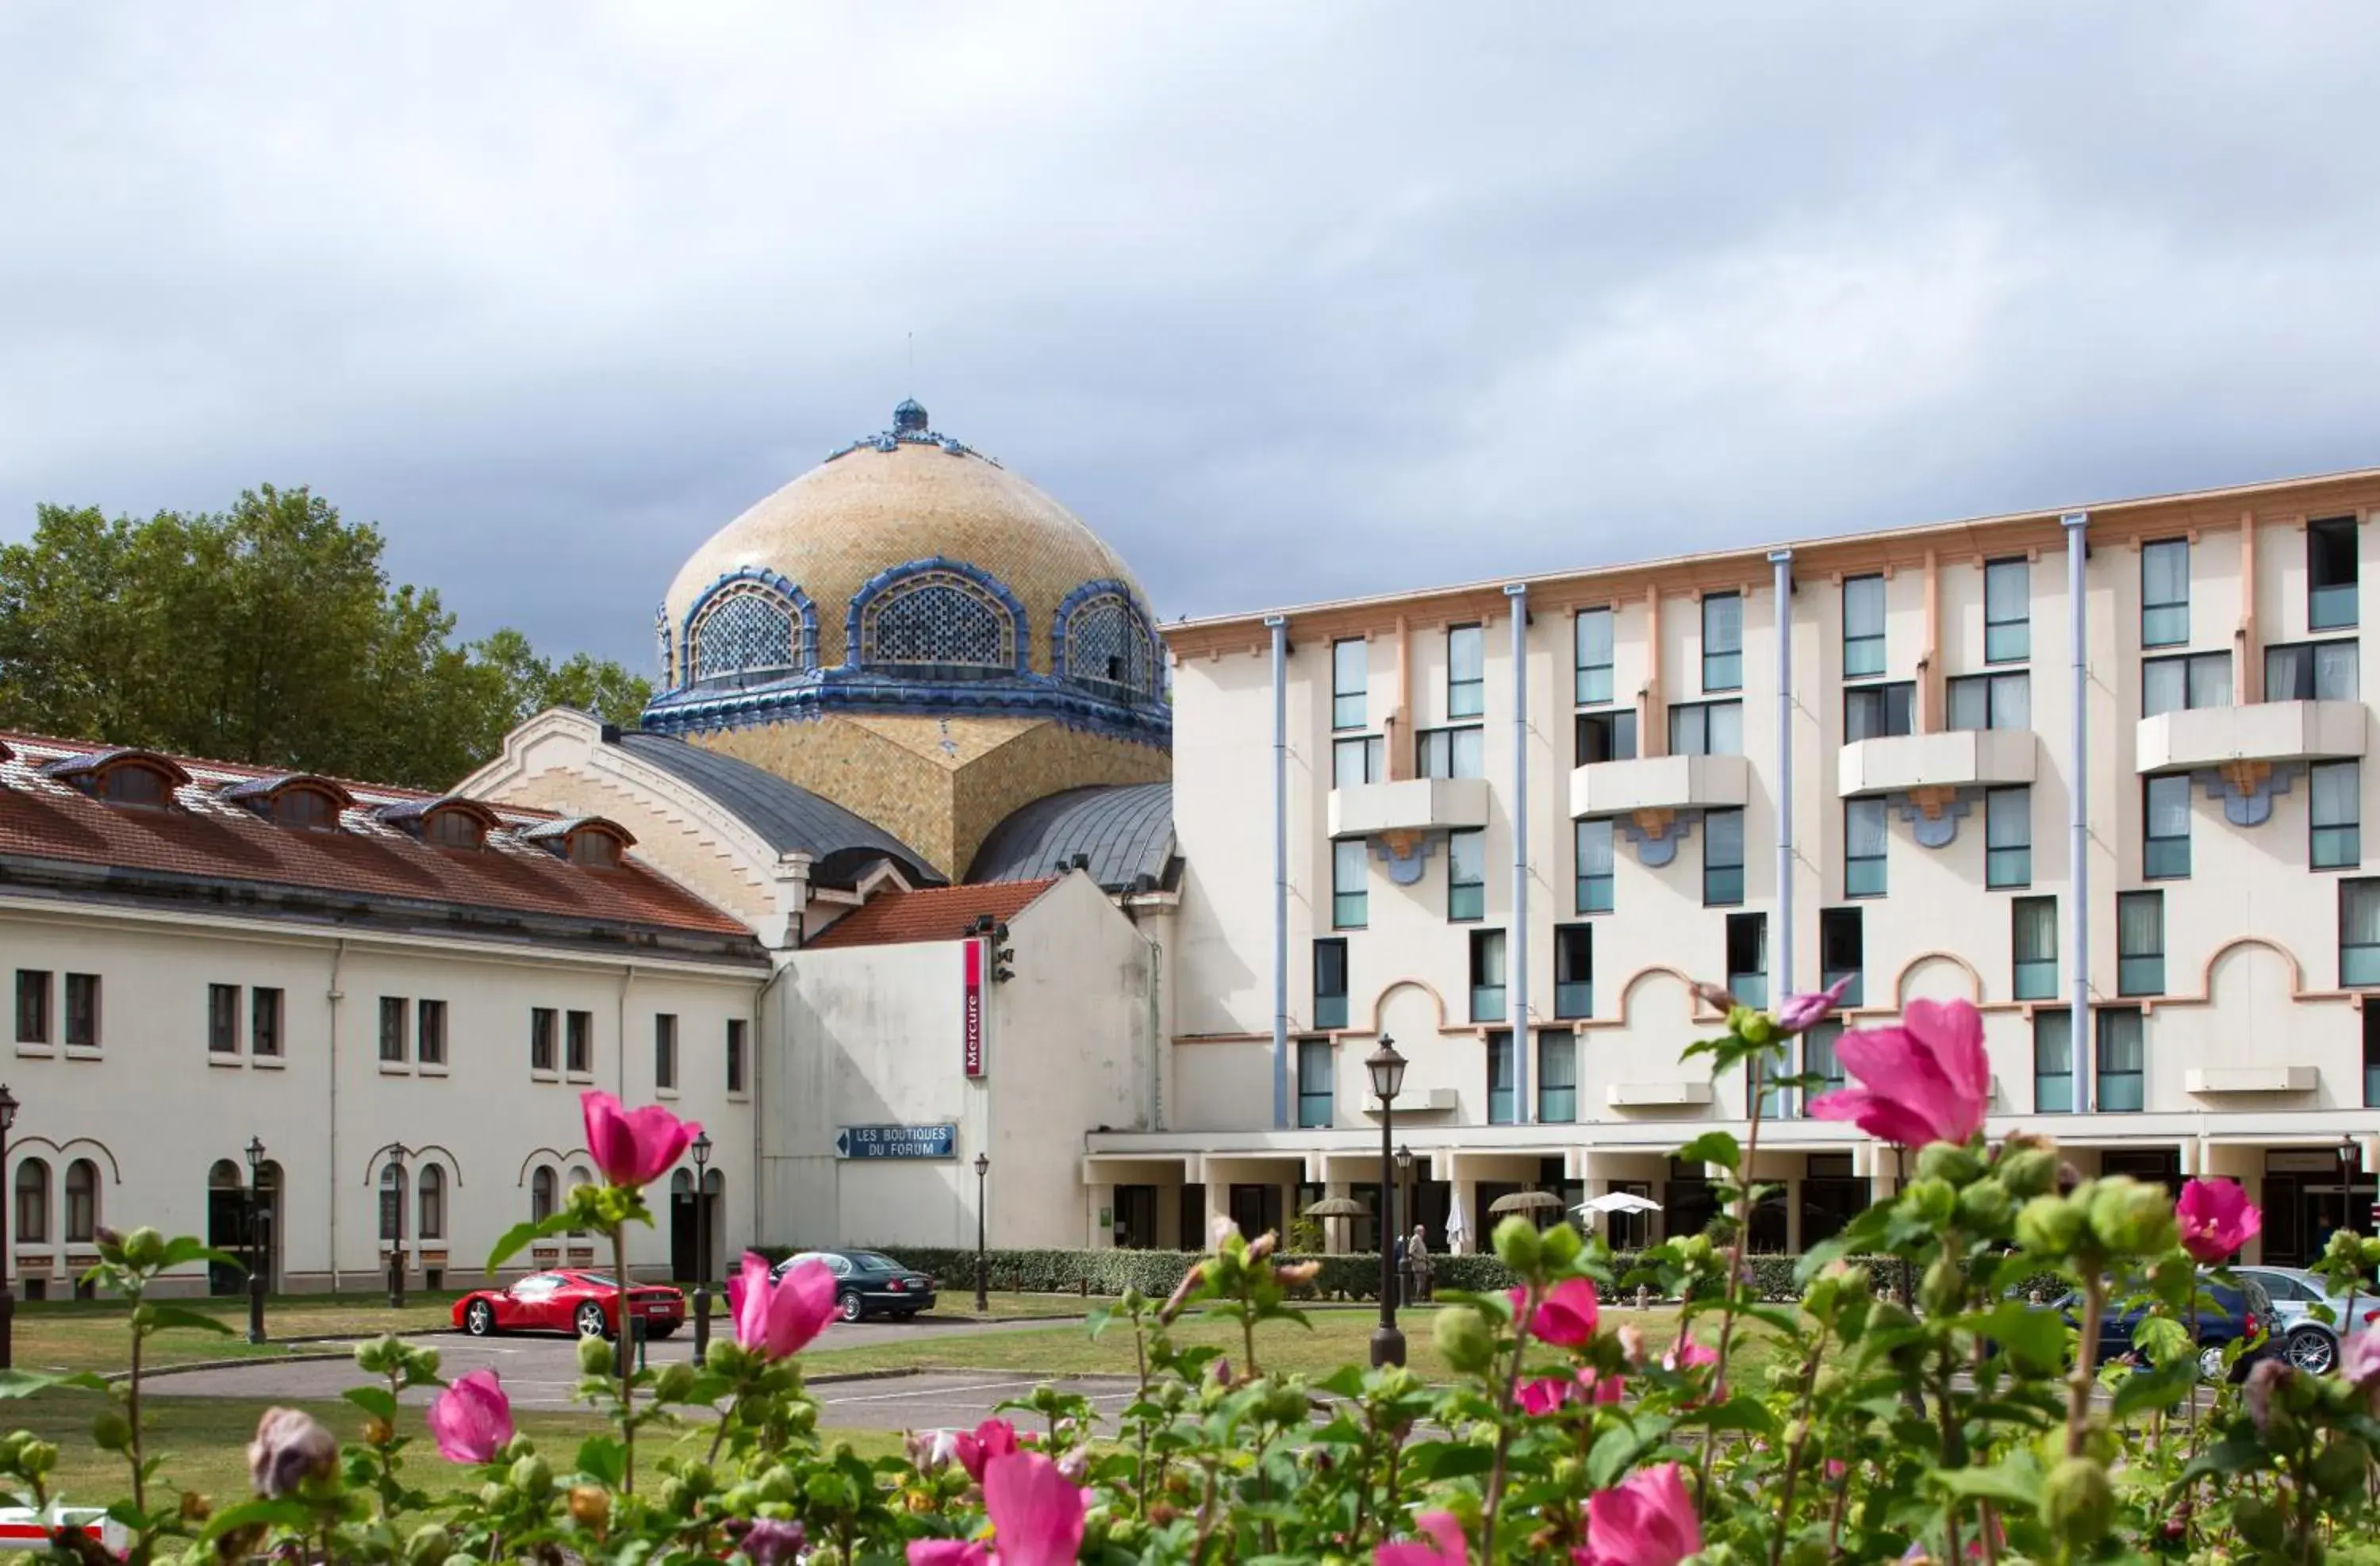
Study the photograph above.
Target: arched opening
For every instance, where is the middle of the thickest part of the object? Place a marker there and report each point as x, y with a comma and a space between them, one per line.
430, 1214
684, 1263
227, 1226
265, 1240
938, 623
541, 1202
32, 1202
391, 1204
746, 629
1108, 649
579, 1176
83, 1202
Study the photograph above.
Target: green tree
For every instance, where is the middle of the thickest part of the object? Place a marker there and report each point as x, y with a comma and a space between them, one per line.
269, 634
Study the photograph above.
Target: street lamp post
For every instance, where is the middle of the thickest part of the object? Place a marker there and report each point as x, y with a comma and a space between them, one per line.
396, 1152
256, 1265
1399, 1208
982, 1168
7, 1289
701, 1150
1388, 1071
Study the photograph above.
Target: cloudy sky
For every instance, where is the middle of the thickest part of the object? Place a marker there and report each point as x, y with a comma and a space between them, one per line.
1289, 301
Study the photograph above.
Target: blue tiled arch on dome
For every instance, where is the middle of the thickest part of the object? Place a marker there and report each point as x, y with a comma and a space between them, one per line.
764, 588
958, 588
1081, 635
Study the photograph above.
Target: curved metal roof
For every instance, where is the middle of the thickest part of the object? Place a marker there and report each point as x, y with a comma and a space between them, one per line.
790, 818
1126, 831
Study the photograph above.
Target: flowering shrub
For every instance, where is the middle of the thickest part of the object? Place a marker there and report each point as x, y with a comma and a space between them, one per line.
1960, 1425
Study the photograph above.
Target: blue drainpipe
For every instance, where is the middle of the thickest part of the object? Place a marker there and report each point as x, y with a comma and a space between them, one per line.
1279, 625
1516, 948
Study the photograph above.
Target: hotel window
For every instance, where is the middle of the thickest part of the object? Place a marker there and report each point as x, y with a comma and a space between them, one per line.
222, 1017
2331, 568
1991, 701
2033, 936
1350, 679
1722, 857
2338, 813
2164, 827
1487, 975
1865, 838
392, 1027
2123, 1054
1502, 1103
33, 1005
1347, 883
1316, 1095
541, 1193
1593, 866
1747, 958
2008, 610
2372, 1057
1466, 677
1819, 1061
1331, 984
1862, 628
665, 1050
1592, 639
1363, 759
2313, 670
33, 1202
2008, 836
1878, 711
1450, 753
430, 1209
1842, 951
2053, 1063
265, 1024
540, 1037
1606, 736
2164, 593
1722, 642
430, 1032
734, 1055
83, 1011
1557, 1077
2140, 943
1573, 970
1706, 728
578, 1043
83, 1202
2173, 685
1467, 875
2359, 933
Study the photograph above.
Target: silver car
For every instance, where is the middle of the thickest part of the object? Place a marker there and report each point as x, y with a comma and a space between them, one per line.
2308, 1341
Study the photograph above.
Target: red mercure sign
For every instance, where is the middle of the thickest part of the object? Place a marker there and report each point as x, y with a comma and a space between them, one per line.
974, 1025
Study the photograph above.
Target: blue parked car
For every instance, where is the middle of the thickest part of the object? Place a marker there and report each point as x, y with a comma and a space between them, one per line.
2225, 1315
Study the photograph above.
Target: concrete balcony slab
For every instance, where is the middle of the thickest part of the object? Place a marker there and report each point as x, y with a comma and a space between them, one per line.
1659, 783
2212, 737
1414, 804
1959, 759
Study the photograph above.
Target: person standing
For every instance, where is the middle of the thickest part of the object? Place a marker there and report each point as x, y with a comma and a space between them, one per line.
1417, 1250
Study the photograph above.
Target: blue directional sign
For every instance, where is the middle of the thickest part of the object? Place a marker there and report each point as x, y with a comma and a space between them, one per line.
896, 1142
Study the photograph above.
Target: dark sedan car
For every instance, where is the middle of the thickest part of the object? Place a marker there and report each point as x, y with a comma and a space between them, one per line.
2226, 1316
869, 1284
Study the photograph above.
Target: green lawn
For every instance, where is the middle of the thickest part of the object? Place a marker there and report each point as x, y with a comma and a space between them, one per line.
69, 1335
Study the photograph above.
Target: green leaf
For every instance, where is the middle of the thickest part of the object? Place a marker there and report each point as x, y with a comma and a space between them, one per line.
378, 1401
520, 1236
1616, 1452
1347, 1381
2036, 1339
2015, 1479
2232, 1454
25, 1383
1742, 1412
184, 1249
2157, 1388
252, 1514
603, 1459
178, 1315
1712, 1146
1452, 1460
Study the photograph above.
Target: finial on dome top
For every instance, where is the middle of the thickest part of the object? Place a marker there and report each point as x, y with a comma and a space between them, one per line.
909, 418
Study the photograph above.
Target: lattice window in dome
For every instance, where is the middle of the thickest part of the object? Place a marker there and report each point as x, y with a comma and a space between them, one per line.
1106, 648
938, 619
746, 626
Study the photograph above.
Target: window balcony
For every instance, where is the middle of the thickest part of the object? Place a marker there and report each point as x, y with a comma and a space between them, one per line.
2251, 1079
2212, 737
1414, 804
1958, 758
1659, 782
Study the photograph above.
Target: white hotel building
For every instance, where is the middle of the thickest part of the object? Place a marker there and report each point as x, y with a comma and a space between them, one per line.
930, 826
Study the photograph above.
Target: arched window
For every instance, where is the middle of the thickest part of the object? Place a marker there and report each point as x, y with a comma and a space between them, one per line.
747, 627
938, 619
392, 1201
453, 829
578, 1176
32, 1202
541, 1194
83, 1202
310, 808
1107, 648
431, 1214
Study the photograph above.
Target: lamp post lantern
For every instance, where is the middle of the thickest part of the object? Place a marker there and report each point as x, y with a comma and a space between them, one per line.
7, 1289
256, 1264
1388, 1072
701, 1151
982, 1168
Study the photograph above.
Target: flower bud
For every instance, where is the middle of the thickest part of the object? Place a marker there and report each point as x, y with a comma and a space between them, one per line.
1262, 1246
1296, 1274
144, 1247
110, 1430
1075, 1464
675, 1383
1717, 1000
195, 1508
1753, 1027
289, 1449
2259, 1523
1182, 1291
2133, 1219
1516, 1245
590, 1506
2048, 1226
428, 1544
1463, 1337
37, 1459
596, 1357
2027, 1171
2338, 1470
1930, 1201
1944, 1285
378, 1432
1632, 1343
532, 1475
2078, 1502
1948, 1160
1985, 1207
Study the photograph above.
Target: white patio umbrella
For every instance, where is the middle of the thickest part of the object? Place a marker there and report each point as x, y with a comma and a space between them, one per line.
1618, 1201
1458, 1232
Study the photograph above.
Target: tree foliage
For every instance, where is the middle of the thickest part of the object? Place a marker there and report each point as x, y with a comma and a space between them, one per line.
269, 634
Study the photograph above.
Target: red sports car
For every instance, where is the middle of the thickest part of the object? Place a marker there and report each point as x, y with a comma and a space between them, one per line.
570, 1301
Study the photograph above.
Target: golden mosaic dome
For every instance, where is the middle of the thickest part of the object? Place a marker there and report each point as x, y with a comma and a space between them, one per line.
865, 531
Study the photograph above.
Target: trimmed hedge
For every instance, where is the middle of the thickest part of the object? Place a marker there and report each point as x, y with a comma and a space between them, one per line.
1355, 1276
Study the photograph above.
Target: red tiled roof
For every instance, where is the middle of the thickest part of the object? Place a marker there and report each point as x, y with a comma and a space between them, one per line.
210, 839
940, 913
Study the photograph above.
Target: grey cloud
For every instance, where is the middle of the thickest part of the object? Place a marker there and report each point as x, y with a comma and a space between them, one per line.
1289, 302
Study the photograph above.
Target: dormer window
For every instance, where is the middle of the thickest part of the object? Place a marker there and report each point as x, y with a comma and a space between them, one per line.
453, 829
596, 850
123, 777
449, 822
589, 841
134, 784
293, 800
308, 808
